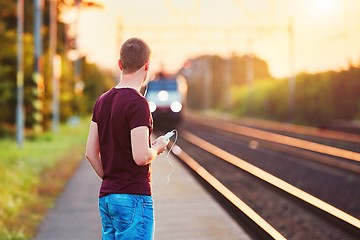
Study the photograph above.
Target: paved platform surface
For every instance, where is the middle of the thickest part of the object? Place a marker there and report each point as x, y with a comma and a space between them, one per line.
75, 215
183, 209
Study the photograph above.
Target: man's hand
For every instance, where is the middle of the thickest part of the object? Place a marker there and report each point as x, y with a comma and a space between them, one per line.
160, 144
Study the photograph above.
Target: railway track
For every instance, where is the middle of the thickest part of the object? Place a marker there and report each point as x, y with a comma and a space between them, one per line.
346, 140
288, 193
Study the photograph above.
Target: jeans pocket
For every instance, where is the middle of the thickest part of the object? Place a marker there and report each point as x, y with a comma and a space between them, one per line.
148, 209
122, 212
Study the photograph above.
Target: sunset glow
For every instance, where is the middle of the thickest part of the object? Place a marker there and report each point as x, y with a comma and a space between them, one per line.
326, 33
328, 5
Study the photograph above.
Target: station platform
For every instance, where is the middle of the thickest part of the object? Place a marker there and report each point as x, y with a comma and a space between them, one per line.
183, 209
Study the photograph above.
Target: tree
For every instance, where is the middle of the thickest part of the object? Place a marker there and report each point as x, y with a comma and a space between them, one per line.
70, 102
222, 74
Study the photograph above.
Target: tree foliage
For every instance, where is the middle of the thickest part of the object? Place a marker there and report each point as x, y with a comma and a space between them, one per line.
320, 98
218, 75
227, 85
71, 103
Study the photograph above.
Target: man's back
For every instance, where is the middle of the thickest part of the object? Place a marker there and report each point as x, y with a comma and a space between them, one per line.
117, 112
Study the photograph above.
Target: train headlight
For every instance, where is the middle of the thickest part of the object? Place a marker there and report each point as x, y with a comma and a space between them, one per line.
176, 106
163, 95
152, 106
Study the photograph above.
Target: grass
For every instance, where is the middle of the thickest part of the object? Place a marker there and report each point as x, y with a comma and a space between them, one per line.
32, 177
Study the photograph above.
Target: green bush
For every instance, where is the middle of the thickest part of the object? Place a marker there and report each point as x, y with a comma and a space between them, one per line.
319, 98
31, 177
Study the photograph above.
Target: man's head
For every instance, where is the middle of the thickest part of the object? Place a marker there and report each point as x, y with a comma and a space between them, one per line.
134, 54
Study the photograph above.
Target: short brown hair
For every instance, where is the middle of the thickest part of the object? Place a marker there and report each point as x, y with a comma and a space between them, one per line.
134, 53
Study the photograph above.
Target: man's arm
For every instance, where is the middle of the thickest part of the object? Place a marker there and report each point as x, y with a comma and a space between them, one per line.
93, 149
141, 151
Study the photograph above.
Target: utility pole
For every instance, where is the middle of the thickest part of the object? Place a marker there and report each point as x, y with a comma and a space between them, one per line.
250, 76
227, 84
79, 84
250, 82
292, 78
54, 65
37, 75
20, 75
207, 82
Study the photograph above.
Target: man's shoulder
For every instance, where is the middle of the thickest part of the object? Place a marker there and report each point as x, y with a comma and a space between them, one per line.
103, 95
123, 96
134, 95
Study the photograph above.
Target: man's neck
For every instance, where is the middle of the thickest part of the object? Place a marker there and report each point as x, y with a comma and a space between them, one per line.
133, 80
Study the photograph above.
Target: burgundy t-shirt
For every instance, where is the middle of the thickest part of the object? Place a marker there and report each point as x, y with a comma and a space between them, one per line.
116, 113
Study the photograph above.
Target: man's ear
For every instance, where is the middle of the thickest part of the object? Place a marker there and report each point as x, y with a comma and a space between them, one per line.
146, 66
120, 65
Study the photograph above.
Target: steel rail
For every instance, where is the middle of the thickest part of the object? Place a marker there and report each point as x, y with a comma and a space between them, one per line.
281, 139
231, 197
349, 166
287, 127
292, 128
298, 129
271, 179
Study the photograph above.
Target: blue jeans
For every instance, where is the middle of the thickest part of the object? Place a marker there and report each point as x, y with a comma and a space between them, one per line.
127, 216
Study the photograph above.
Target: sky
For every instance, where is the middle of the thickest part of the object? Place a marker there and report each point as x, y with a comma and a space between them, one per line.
325, 36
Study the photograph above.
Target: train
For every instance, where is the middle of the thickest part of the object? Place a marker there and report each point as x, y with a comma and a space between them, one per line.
166, 96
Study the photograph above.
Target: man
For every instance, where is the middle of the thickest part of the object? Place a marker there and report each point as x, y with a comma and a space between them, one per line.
119, 150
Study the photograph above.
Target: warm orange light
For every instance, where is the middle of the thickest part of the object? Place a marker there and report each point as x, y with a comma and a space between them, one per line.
327, 6
181, 30
275, 181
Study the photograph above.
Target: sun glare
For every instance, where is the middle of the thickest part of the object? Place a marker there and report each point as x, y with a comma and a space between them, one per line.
329, 27
327, 6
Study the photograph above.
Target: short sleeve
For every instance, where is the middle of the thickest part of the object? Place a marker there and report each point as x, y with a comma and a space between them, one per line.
140, 114
95, 112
